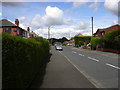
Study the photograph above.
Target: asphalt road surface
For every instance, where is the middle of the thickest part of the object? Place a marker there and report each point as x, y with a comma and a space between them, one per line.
78, 68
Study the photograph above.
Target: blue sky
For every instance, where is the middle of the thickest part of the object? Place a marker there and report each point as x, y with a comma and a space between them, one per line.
74, 19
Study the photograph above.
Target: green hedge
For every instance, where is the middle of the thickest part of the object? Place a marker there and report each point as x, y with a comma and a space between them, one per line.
22, 59
111, 40
79, 39
94, 42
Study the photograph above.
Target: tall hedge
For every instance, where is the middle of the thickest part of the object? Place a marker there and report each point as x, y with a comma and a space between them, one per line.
79, 39
112, 40
94, 42
21, 60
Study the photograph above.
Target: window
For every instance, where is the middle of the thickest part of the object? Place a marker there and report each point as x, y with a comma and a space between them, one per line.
8, 30
102, 33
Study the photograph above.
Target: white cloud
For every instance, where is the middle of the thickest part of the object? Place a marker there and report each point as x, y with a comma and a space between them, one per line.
81, 25
77, 3
115, 22
37, 22
68, 32
53, 16
21, 18
24, 25
94, 5
0, 14
112, 6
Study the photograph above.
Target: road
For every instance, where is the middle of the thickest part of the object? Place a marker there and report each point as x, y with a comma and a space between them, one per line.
99, 68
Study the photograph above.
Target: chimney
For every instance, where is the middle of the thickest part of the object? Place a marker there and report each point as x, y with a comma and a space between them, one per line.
28, 29
17, 22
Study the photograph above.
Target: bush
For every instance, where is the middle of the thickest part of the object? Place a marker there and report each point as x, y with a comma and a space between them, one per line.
21, 60
64, 44
112, 40
81, 43
81, 39
94, 42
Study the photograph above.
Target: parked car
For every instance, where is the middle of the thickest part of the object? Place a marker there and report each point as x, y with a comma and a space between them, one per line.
58, 47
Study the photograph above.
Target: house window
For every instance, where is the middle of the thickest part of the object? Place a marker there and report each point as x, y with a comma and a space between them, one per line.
102, 33
7, 30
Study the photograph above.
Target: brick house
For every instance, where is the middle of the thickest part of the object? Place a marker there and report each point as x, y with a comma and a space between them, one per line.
13, 29
101, 32
32, 34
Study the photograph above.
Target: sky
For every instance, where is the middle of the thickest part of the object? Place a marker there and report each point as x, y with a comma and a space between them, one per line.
65, 19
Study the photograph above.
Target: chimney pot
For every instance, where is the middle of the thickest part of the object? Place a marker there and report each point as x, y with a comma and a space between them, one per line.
28, 29
17, 22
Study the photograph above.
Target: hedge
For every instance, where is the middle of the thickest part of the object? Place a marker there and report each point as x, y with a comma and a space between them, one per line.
22, 59
94, 42
79, 39
111, 40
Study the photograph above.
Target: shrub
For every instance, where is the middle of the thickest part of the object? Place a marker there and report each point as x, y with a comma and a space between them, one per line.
64, 44
80, 39
94, 42
21, 60
112, 40
81, 43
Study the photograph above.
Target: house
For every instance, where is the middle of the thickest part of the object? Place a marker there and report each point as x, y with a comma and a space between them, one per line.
101, 32
10, 28
79, 35
32, 34
14, 29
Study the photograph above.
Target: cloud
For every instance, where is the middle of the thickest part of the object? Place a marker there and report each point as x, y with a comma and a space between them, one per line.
0, 14
37, 22
77, 3
115, 22
53, 16
81, 25
24, 25
71, 31
21, 18
112, 6
94, 5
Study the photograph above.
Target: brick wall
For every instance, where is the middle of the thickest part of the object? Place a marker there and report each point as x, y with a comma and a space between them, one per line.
110, 29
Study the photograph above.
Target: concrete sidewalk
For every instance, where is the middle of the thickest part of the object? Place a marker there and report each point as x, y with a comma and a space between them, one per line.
62, 74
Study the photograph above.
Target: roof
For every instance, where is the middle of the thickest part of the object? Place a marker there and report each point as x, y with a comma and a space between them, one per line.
5, 22
79, 34
104, 29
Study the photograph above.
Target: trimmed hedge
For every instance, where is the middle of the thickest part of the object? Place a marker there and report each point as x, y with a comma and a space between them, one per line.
94, 42
22, 59
79, 39
112, 40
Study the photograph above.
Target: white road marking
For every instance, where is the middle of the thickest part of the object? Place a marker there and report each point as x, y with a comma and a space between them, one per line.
112, 66
81, 54
93, 81
74, 52
93, 59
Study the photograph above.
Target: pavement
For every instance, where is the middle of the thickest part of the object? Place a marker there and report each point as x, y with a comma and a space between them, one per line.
61, 73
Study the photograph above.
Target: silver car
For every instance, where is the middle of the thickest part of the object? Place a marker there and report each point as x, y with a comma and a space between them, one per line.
58, 47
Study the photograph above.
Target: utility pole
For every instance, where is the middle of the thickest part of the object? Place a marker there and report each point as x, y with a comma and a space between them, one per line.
92, 27
92, 30
49, 32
